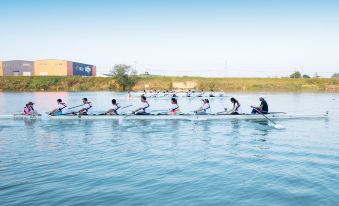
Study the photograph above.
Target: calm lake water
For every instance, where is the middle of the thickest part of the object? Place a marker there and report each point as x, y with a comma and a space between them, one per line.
77, 162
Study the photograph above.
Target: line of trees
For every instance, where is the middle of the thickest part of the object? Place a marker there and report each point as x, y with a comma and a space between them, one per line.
298, 75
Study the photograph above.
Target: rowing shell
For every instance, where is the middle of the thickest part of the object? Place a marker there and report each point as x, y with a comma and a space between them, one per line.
171, 117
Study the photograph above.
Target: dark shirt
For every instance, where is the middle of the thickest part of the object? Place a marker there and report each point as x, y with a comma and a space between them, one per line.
264, 106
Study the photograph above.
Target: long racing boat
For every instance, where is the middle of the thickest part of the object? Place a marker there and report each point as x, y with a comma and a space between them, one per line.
274, 116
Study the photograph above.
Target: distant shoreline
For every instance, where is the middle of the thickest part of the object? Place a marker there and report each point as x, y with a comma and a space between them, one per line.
27, 84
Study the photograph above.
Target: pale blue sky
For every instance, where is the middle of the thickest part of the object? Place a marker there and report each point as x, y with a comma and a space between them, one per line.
255, 37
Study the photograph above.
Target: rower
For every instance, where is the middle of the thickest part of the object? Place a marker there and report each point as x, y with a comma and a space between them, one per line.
60, 109
29, 109
189, 93
236, 106
86, 107
212, 93
222, 93
115, 108
205, 108
201, 93
174, 107
144, 109
262, 109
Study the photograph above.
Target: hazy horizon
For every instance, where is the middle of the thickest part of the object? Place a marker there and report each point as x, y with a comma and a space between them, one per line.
243, 38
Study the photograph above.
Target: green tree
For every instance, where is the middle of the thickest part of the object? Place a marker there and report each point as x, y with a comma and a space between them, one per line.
295, 75
125, 76
305, 76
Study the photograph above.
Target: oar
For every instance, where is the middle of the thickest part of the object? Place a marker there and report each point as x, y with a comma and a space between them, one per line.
119, 108
76, 106
264, 115
275, 124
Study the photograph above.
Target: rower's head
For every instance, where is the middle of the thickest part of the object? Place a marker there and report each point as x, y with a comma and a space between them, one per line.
114, 101
261, 99
174, 101
59, 100
143, 98
206, 101
85, 100
233, 100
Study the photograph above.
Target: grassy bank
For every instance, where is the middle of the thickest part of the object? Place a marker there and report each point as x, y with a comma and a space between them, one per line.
159, 82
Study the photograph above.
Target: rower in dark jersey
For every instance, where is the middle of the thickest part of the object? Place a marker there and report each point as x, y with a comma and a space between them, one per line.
262, 109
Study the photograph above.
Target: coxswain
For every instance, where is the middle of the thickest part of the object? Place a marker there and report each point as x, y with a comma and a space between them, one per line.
262, 109
144, 109
60, 109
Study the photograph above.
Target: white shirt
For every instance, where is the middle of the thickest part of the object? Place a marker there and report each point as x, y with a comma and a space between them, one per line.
62, 108
206, 107
88, 107
146, 107
115, 107
174, 107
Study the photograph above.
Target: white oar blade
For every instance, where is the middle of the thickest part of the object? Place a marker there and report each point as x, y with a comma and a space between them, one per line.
278, 126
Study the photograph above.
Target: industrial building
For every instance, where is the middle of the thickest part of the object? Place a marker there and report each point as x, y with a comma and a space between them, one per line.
17, 68
80, 69
1, 72
50, 67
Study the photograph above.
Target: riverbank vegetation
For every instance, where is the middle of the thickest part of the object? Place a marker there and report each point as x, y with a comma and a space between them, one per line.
168, 83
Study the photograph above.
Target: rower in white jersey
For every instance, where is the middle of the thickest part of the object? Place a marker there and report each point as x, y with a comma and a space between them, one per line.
189, 93
212, 93
61, 109
87, 107
144, 109
205, 108
115, 108
174, 109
